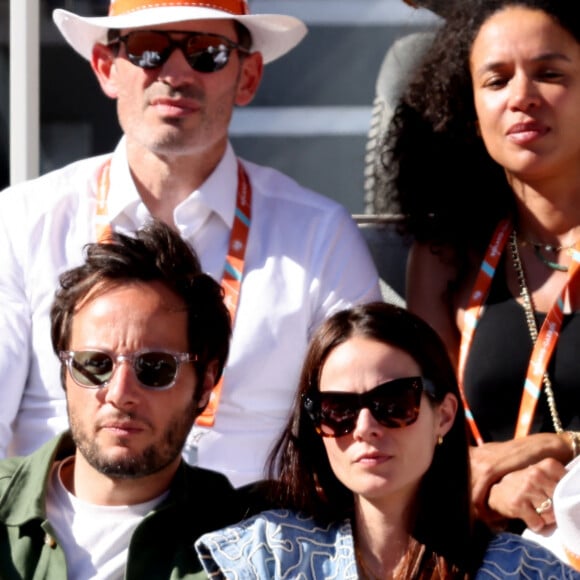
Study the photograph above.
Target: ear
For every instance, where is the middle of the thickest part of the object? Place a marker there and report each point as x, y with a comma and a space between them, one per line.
209, 381
103, 65
447, 411
250, 78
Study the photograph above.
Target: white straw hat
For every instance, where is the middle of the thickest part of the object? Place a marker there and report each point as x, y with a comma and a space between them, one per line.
272, 34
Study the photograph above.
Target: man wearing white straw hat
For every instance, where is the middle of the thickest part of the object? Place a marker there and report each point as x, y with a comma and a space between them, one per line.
286, 257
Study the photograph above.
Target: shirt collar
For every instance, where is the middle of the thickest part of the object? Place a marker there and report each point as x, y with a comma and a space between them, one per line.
217, 192
24, 498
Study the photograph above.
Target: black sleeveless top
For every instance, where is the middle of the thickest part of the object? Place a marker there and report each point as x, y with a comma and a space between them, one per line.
497, 363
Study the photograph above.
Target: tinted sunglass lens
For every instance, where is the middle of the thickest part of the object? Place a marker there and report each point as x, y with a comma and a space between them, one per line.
206, 54
397, 409
91, 368
205, 62
337, 417
147, 49
156, 369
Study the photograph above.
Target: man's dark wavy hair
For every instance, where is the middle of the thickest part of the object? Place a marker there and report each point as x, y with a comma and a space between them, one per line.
156, 253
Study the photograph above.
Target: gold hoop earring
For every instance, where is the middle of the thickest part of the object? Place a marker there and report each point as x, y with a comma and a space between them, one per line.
440, 440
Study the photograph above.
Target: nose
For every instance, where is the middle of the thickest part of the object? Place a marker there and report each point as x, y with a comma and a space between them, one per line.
123, 389
366, 425
523, 93
176, 71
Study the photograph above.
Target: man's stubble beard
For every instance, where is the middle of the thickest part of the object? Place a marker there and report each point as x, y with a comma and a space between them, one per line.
152, 459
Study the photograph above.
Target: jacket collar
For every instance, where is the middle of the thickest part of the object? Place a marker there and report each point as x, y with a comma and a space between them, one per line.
24, 498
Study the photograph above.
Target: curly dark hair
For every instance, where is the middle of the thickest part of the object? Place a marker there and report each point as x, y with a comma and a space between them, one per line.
439, 166
154, 253
299, 463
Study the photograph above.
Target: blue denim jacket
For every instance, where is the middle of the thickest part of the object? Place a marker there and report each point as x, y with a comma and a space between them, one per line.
279, 544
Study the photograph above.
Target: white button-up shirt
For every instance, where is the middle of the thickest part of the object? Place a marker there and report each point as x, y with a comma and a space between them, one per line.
305, 260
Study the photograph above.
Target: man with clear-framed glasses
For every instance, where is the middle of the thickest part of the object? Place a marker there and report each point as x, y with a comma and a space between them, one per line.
286, 256
142, 335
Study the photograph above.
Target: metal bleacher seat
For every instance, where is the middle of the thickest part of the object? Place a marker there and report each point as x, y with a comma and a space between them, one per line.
388, 251
379, 222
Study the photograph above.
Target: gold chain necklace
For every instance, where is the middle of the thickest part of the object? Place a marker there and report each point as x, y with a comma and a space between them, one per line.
532, 325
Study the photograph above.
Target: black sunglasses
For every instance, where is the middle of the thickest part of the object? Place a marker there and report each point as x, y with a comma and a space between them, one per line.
155, 369
393, 404
203, 52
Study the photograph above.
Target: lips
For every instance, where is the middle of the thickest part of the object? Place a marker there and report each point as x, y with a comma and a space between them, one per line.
122, 427
526, 132
168, 106
372, 458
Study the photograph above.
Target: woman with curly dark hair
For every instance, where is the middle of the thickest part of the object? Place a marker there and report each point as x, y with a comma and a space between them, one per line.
372, 471
484, 152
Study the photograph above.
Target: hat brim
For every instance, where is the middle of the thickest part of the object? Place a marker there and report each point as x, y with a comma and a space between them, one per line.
272, 34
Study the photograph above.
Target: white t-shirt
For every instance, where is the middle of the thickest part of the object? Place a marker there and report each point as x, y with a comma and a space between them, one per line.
305, 260
94, 538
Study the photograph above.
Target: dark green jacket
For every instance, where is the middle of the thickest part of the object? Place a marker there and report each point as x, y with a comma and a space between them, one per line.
161, 546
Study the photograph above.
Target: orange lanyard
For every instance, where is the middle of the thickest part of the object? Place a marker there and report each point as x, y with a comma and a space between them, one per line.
235, 259
543, 347
102, 225
573, 559
232, 276
543, 350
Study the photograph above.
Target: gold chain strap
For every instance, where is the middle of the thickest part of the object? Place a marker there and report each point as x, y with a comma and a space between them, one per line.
533, 329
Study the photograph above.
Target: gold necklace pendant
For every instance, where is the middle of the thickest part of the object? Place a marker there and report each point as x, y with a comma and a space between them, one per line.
546, 247
540, 248
552, 265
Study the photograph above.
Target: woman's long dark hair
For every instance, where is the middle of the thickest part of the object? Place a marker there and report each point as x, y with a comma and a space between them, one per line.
306, 482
